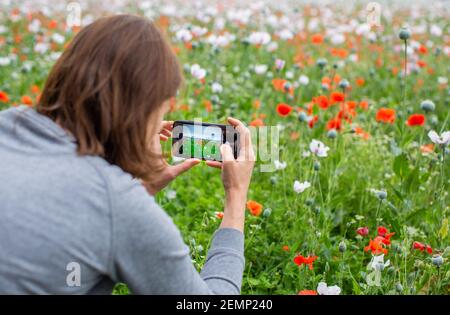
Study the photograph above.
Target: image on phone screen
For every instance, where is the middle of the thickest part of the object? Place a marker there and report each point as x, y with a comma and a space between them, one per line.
198, 141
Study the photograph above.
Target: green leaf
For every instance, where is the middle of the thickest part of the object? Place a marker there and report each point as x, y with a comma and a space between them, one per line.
412, 182
401, 165
443, 232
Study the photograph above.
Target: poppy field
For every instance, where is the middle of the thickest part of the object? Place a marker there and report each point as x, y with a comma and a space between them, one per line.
351, 193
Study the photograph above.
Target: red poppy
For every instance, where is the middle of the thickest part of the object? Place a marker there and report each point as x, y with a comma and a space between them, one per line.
307, 292
376, 246
359, 131
386, 115
334, 123
422, 49
254, 207
423, 247
285, 248
258, 122
360, 81
283, 109
317, 39
382, 231
321, 101
219, 215
313, 120
337, 97
427, 148
27, 100
364, 104
416, 120
4, 97
301, 260
363, 231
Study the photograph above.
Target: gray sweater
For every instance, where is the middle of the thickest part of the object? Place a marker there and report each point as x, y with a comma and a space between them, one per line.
73, 224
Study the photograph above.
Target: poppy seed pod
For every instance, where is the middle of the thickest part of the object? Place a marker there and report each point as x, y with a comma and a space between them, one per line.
332, 134
267, 212
382, 194
343, 84
273, 180
316, 166
427, 106
321, 63
404, 33
437, 260
399, 287
287, 86
342, 247
302, 116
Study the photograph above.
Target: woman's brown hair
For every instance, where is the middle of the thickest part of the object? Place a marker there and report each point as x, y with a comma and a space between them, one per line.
113, 75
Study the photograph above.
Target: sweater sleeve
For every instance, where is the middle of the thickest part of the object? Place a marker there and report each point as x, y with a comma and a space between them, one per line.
150, 256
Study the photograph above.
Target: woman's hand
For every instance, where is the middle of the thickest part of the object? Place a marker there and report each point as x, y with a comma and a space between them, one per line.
168, 172
236, 175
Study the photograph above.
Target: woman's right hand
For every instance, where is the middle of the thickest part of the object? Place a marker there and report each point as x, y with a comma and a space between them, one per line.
236, 175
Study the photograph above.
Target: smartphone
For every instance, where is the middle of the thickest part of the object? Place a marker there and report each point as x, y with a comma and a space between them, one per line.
192, 139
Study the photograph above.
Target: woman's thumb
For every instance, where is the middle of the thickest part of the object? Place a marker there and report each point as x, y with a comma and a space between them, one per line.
227, 152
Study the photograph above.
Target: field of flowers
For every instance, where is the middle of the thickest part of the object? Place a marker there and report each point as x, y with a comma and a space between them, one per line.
357, 201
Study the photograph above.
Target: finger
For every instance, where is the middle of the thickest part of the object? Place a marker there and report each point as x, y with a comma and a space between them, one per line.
215, 164
167, 124
166, 132
246, 149
183, 167
227, 152
163, 137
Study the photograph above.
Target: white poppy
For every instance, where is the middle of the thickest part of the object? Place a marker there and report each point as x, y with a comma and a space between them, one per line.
183, 35
216, 87
259, 38
198, 72
301, 187
318, 148
260, 69
303, 80
279, 165
324, 289
443, 139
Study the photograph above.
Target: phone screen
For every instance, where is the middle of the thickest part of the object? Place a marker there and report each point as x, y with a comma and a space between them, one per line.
198, 141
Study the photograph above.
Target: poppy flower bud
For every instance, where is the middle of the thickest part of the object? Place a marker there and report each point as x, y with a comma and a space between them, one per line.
302, 116
267, 212
343, 84
381, 194
316, 166
437, 260
399, 287
273, 180
332, 134
427, 106
321, 63
404, 33
342, 247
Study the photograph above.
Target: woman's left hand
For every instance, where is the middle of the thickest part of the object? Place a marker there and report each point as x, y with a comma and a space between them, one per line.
167, 172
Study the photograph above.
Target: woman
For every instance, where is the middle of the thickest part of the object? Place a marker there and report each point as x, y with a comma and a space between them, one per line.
78, 175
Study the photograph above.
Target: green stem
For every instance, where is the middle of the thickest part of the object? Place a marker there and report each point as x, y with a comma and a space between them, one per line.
404, 74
